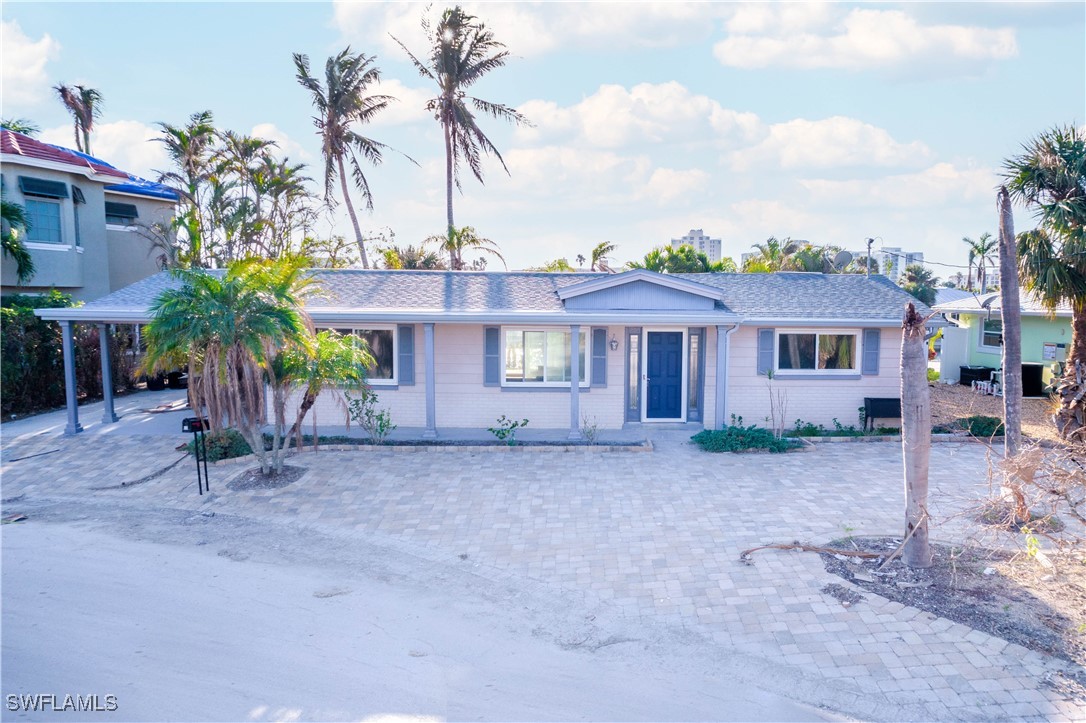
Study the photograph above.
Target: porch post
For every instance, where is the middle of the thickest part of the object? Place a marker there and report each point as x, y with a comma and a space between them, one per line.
575, 381
431, 392
70, 401
721, 384
108, 414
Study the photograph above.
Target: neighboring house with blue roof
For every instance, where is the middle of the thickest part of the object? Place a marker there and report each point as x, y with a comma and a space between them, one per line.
87, 219
457, 349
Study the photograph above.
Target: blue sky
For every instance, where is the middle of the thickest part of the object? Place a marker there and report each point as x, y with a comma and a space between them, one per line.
827, 122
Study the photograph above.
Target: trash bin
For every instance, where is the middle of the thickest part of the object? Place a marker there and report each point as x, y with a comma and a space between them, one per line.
1033, 380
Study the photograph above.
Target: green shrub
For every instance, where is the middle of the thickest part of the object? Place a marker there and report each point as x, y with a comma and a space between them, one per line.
933, 375
741, 439
223, 444
980, 426
32, 360
808, 429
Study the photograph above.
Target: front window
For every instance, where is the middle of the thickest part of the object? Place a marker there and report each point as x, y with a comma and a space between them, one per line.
537, 356
991, 333
381, 344
633, 375
44, 221
806, 351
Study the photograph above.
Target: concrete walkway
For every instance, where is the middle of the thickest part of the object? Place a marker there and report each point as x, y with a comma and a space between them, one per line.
653, 536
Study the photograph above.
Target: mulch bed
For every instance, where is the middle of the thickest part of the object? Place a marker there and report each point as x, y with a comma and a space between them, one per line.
951, 402
1007, 595
254, 479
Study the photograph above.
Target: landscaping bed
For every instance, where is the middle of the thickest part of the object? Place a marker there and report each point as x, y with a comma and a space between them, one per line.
1012, 596
953, 402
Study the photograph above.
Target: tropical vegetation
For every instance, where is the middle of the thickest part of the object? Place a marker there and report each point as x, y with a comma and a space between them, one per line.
13, 226
85, 106
462, 52
982, 255
684, 259
1049, 177
920, 282
457, 241
239, 330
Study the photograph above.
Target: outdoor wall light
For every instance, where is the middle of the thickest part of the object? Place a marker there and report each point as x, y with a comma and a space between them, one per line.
613, 343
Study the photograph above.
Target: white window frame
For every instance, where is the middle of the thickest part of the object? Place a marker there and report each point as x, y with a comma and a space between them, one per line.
395, 380
38, 244
981, 346
585, 332
857, 358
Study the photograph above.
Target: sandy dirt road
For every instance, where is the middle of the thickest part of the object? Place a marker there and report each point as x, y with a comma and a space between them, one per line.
190, 629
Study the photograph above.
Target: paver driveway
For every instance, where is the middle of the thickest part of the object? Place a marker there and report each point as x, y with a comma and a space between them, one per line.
656, 535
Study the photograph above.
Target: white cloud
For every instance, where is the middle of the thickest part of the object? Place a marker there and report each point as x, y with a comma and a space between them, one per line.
614, 117
939, 186
798, 36
23, 60
127, 144
285, 145
536, 28
833, 142
668, 185
409, 106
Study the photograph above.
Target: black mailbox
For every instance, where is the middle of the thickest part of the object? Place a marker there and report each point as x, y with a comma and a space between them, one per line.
193, 424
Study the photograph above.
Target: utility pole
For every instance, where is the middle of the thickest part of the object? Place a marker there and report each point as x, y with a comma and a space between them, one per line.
868, 259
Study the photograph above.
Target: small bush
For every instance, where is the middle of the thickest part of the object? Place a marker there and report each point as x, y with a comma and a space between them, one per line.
223, 444
506, 429
980, 426
808, 429
933, 375
742, 439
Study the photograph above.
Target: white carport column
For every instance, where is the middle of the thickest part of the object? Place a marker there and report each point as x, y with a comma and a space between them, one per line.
70, 401
721, 384
575, 381
108, 413
431, 390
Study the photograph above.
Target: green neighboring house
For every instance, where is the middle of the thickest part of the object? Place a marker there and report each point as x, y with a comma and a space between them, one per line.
975, 335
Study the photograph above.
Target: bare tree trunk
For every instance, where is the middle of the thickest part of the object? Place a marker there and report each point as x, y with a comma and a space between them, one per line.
453, 255
915, 437
1012, 327
351, 213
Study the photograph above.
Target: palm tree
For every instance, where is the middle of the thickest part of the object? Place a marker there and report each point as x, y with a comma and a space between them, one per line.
600, 253
920, 282
13, 221
463, 51
915, 437
410, 257
981, 252
682, 260
227, 329
190, 148
1049, 177
773, 255
460, 239
340, 102
21, 125
85, 106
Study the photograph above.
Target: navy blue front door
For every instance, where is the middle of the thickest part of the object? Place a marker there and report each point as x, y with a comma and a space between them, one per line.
664, 367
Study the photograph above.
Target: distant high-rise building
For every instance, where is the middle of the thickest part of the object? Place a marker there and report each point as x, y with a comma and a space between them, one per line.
893, 261
711, 247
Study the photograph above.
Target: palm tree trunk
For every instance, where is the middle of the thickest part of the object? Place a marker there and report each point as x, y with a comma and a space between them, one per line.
1012, 327
78, 138
915, 437
1071, 417
86, 140
453, 255
351, 213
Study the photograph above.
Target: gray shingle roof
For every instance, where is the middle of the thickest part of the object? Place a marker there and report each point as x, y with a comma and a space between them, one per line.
980, 303
801, 296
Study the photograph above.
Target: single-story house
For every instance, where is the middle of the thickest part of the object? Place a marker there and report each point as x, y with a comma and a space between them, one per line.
975, 335
460, 349
87, 219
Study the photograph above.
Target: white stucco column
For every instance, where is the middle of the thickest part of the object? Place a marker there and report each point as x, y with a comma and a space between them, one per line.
721, 383
575, 382
431, 389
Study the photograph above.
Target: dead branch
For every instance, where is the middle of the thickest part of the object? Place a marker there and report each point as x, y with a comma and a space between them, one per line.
744, 556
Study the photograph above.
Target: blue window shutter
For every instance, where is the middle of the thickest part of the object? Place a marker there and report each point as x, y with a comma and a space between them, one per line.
872, 340
765, 351
405, 375
599, 357
492, 376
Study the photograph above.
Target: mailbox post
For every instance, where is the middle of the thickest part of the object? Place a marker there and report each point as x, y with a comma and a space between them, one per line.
197, 426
